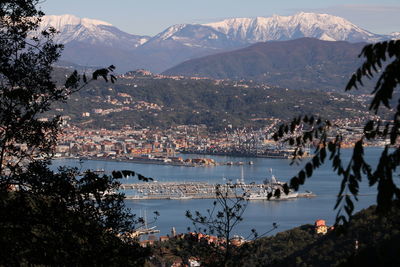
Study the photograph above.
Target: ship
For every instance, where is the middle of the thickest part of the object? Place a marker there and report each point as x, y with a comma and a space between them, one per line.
269, 191
180, 197
265, 195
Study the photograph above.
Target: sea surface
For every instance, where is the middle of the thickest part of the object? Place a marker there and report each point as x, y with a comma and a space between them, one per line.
260, 214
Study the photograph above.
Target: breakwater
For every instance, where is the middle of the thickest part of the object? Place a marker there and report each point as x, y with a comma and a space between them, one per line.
193, 190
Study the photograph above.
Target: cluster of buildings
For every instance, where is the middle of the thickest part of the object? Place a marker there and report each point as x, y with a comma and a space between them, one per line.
163, 144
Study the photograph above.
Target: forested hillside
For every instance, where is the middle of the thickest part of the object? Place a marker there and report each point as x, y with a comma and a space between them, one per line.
304, 63
148, 100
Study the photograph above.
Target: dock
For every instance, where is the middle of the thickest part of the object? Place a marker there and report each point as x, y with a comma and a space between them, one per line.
190, 190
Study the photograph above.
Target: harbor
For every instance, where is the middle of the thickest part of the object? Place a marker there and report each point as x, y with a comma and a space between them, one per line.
202, 190
259, 214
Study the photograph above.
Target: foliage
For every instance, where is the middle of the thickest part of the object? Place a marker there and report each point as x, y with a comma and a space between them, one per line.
270, 250
377, 239
66, 219
304, 63
215, 104
184, 248
222, 221
26, 86
50, 218
328, 139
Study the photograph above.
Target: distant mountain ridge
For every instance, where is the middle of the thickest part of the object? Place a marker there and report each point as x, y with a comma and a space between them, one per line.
305, 63
95, 42
280, 28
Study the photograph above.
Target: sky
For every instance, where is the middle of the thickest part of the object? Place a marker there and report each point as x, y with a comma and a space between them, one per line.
149, 17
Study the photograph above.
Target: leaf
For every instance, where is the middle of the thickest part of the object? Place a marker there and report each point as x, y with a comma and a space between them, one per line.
338, 201
143, 178
302, 177
286, 188
113, 78
127, 173
72, 80
368, 126
349, 204
315, 161
342, 186
116, 174
309, 169
322, 154
331, 147
102, 73
294, 183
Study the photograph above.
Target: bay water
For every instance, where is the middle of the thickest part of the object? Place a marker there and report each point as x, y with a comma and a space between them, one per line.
260, 214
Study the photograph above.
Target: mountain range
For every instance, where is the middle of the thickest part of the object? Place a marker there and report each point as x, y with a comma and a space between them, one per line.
91, 42
304, 63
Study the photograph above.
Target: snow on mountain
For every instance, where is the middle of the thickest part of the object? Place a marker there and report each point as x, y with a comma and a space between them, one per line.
58, 22
321, 26
191, 35
96, 42
395, 35
74, 29
169, 32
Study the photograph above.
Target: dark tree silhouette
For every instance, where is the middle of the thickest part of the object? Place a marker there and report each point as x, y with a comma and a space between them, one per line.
50, 218
26, 86
383, 60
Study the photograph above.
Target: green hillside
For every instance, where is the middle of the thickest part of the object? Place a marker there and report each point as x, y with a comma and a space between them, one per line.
377, 236
378, 244
141, 100
304, 63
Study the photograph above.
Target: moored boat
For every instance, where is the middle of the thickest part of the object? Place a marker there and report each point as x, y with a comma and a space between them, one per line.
269, 191
180, 197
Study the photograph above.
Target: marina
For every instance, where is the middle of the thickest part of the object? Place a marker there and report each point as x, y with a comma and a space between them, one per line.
202, 190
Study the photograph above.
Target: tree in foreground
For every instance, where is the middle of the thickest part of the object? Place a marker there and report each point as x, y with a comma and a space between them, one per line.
226, 214
383, 60
48, 218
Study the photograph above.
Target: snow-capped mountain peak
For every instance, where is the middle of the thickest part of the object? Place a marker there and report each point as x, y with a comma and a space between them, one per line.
169, 32
59, 22
90, 31
322, 26
395, 35
96, 42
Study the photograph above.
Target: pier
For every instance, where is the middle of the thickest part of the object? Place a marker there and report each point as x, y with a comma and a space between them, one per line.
191, 190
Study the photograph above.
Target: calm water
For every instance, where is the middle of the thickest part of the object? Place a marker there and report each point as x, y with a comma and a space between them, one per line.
259, 214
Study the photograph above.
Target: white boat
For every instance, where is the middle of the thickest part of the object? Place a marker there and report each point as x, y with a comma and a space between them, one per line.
263, 195
134, 197
269, 189
180, 197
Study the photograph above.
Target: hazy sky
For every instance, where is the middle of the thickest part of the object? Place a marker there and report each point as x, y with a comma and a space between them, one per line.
149, 17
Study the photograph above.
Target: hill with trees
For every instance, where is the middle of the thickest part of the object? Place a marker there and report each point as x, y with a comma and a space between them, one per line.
152, 100
304, 63
369, 240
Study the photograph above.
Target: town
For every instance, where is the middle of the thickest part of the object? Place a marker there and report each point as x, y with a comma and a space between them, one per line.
164, 146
